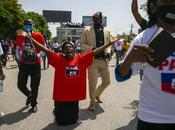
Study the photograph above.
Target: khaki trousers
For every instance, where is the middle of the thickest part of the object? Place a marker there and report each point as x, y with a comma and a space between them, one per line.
99, 67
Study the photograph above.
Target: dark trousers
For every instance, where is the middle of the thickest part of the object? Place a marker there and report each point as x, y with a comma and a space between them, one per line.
66, 113
34, 71
154, 126
45, 62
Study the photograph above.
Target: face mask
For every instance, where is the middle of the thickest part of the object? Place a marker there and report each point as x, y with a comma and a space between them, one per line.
167, 14
28, 28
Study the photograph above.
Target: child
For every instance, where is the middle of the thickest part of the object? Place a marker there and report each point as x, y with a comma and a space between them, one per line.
69, 80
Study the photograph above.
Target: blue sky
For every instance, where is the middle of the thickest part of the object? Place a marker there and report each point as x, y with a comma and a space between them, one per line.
118, 12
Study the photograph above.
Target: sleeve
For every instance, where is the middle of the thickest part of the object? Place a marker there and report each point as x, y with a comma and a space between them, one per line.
87, 58
108, 49
53, 58
83, 41
135, 67
19, 43
43, 42
41, 39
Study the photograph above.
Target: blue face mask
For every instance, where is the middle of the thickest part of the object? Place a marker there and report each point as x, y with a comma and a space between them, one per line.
28, 28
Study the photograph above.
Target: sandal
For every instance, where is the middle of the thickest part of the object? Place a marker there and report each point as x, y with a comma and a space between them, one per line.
91, 107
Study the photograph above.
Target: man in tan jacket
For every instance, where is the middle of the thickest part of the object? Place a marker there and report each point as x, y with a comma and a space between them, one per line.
93, 37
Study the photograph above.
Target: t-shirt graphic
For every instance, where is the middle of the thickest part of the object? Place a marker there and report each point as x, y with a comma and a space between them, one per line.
26, 45
28, 53
168, 82
72, 72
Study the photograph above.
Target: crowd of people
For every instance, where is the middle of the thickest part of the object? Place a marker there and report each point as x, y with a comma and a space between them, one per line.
92, 52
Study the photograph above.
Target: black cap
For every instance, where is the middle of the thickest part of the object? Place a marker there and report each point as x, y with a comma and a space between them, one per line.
97, 14
66, 42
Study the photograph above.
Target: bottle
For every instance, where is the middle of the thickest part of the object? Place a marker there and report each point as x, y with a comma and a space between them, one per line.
1, 85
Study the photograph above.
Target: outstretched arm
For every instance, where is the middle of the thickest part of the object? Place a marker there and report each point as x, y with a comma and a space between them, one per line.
98, 50
40, 46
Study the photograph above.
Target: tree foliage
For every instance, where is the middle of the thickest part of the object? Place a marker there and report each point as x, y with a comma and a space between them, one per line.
12, 16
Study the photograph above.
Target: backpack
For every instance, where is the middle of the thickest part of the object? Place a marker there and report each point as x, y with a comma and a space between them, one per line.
29, 54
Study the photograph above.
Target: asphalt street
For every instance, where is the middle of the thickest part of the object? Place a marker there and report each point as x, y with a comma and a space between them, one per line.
117, 112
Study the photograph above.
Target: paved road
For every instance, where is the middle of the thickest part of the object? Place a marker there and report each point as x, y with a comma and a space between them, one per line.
117, 112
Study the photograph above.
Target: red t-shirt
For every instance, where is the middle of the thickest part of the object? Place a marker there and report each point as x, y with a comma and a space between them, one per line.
70, 76
35, 35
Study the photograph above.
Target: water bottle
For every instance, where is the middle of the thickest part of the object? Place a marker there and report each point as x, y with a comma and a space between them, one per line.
1, 85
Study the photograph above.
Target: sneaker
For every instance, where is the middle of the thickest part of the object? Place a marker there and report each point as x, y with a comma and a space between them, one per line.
91, 107
34, 109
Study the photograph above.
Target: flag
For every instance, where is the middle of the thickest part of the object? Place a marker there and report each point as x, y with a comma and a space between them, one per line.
168, 82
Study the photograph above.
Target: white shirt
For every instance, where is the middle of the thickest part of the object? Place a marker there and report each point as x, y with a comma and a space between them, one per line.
118, 45
157, 90
78, 46
55, 45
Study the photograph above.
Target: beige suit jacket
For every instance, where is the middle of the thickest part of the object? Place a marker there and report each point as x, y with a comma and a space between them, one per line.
88, 40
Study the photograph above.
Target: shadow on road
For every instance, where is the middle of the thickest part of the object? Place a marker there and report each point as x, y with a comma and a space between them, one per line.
84, 114
15, 117
54, 126
132, 125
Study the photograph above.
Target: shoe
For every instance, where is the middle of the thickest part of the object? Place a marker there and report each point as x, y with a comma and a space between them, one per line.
34, 109
91, 107
28, 101
98, 100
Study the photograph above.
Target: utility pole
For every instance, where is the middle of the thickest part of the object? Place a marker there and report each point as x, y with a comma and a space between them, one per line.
131, 30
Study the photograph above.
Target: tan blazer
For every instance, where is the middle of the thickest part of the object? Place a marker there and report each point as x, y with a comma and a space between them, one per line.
88, 40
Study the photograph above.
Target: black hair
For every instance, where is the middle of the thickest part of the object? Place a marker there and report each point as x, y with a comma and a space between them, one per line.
97, 14
28, 21
65, 43
152, 16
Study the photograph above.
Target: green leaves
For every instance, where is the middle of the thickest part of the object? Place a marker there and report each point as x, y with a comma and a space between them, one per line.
12, 16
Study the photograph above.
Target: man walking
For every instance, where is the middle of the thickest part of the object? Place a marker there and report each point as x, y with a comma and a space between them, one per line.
28, 57
94, 37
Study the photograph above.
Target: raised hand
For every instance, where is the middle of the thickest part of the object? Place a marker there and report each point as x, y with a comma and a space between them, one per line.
21, 33
113, 39
139, 53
